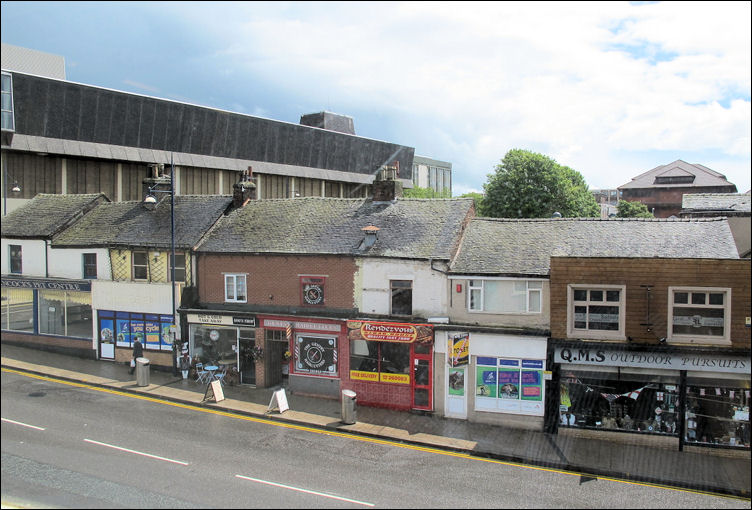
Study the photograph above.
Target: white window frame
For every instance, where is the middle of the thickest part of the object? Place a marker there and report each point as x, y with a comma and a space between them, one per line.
84, 265
12, 258
235, 277
529, 291
144, 265
178, 267
619, 334
700, 339
8, 113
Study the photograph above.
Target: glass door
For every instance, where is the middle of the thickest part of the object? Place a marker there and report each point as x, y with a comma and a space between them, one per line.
246, 363
422, 380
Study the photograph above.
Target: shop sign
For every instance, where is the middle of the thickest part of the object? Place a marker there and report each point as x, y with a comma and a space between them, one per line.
47, 284
210, 318
384, 377
390, 332
316, 355
666, 361
459, 347
244, 321
312, 326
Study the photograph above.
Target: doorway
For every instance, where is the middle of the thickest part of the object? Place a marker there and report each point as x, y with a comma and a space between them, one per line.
275, 364
422, 379
246, 363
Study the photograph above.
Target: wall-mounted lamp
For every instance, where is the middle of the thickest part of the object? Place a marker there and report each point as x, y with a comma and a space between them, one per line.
662, 340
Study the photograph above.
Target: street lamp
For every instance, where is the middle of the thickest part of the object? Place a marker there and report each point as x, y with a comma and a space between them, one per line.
150, 199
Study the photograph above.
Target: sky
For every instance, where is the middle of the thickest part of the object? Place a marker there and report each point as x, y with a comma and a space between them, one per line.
610, 89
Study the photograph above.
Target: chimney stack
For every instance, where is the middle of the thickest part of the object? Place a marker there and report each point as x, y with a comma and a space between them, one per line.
244, 190
386, 186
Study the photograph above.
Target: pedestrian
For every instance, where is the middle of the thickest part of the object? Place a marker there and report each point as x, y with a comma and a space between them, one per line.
185, 364
138, 351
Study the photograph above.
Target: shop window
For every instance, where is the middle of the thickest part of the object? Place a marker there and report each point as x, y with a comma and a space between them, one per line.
65, 313
402, 297
179, 264
595, 312
380, 361
504, 296
591, 401
699, 315
140, 265
17, 310
15, 253
509, 385
235, 288
718, 414
90, 266
214, 345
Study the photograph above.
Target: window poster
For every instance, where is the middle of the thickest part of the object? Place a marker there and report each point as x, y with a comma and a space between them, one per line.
457, 382
315, 355
137, 331
152, 332
509, 385
123, 332
486, 381
532, 386
106, 335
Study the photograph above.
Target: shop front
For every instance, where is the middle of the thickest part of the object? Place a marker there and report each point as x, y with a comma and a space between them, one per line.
698, 397
225, 341
390, 364
50, 312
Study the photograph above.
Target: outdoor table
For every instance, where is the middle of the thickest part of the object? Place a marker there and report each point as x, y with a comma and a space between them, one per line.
212, 369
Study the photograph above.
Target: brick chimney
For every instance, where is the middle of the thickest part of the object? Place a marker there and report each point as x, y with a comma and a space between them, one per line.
244, 190
386, 186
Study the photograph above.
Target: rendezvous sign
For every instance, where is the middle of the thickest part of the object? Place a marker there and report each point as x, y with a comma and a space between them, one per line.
667, 361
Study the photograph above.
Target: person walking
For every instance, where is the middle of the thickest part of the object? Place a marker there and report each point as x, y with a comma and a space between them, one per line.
138, 351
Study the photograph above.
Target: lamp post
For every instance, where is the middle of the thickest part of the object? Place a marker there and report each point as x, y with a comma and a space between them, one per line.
149, 199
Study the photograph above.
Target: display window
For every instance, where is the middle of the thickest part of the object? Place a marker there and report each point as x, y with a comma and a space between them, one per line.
213, 344
152, 330
605, 402
509, 385
717, 414
315, 355
17, 310
380, 361
65, 313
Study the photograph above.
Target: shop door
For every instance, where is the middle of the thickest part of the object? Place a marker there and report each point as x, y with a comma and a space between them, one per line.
275, 350
106, 336
422, 380
456, 392
246, 364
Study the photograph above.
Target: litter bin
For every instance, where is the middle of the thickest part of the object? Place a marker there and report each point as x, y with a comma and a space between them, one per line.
349, 412
142, 371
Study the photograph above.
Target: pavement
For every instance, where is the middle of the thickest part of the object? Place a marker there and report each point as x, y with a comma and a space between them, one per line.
717, 471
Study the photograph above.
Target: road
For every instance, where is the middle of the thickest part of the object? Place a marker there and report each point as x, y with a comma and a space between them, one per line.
69, 446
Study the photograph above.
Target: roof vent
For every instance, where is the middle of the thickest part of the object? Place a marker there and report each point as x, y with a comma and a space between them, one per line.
372, 234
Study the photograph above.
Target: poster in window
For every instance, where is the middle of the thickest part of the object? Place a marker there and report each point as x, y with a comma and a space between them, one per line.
315, 355
457, 382
137, 331
532, 385
486, 382
459, 347
106, 335
153, 334
123, 332
509, 383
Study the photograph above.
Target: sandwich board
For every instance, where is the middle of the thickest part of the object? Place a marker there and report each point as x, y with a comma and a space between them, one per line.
216, 390
281, 399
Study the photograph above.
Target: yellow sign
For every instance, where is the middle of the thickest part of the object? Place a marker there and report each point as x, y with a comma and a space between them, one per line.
459, 349
379, 377
364, 376
394, 378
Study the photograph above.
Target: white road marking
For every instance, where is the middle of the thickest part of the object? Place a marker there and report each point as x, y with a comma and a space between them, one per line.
136, 452
305, 490
22, 424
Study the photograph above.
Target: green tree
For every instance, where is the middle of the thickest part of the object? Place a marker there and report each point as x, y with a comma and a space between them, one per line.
628, 209
477, 199
530, 185
418, 192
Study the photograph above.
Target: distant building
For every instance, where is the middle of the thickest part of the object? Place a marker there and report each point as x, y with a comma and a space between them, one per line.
661, 189
432, 173
607, 199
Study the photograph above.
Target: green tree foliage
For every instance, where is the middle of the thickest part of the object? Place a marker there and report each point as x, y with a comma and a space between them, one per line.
530, 185
477, 199
632, 210
418, 192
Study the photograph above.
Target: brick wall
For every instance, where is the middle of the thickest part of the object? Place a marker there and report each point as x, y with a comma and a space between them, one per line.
274, 280
661, 274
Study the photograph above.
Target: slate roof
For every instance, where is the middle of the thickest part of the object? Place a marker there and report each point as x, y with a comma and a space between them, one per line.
732, 202
524, 247
408, 228
46, 214
133, 224
704, 176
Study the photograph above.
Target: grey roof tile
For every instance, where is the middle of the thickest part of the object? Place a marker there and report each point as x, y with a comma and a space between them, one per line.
408, 228
736, 202
133, 224
503, 246
46, 214
704, 176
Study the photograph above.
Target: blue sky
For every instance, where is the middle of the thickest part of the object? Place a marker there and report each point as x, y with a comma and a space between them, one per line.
610, 89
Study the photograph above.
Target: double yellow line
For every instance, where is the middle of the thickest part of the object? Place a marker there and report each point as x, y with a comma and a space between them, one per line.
357, 437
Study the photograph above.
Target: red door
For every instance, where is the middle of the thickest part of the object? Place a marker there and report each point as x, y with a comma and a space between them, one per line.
422, 379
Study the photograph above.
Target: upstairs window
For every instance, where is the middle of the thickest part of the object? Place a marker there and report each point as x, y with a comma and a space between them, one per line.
235, 288
596, 311
140, 265
699, 315
402, 297
90, 266
8, 119
15, 258
505, 296
179, 264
